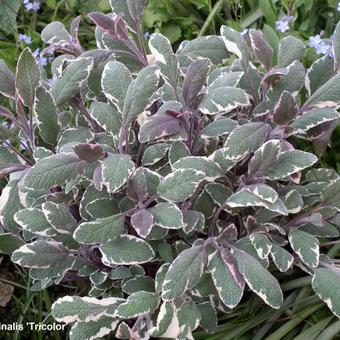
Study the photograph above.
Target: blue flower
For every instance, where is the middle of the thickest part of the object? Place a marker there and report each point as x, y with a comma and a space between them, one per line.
43, 61
32, 5
320, 46
26, 38
283, 24
147, 35
244, 32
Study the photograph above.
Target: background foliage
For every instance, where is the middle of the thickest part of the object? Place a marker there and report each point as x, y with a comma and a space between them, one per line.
184, 19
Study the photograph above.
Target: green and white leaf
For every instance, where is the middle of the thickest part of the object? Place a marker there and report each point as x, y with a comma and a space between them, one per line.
281, 257
306, 246
116, 170
138, 303
101, 230
46, 112
245, 139
223, 100
229, 290
326, 285
167, 215
180, 184
27, 77
291, 162
126, 249
259, 279
73, 77
115, 82
183, 274
262, 245
219, 127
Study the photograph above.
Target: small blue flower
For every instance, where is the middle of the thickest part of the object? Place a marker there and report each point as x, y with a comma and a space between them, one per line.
315, 41
320, 46
282, 26
26, 38
147, 35
32, 5
43, 61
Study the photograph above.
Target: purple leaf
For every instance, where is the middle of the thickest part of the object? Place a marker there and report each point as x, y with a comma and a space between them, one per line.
261, 49
142, 221
89, 152
285, 110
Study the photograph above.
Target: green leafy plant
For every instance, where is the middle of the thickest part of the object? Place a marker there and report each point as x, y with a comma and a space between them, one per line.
168, 182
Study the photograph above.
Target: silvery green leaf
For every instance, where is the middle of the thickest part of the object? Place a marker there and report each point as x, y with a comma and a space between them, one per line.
9, 243
326, 285
138, 303
314, 117
183, 274
226, 280
55, 33
223, 100
336, 46
154, 153
9, 205
177, 151
101, 230
7, 158
200, 163
236, 44
262, 191
245, 139
219, 127
293, 201
46, 112
73, 77
102, 207
281, 257
262, 244
27, 77
53, 171
259, 280
211, 47
166, 60
34, 221
228, 79
218, 72
158, 126
142, 221
291, 82
285, 110
218, 192
136, 9
327, 94
319, 73
245, 198
7, 81
140, 92
289, 163
167, 215
195, 78
224, 163
8, 14
261, 49
290, 49
73, 136
115, 82
208, 317
331, 193
265, 157
135, 284
326, 230
167, 325
189, 318
116, 170
60, 217
70, 309
306, 246
180, 184
160, 276
107, 117
40, 254
126, 249
93, 329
